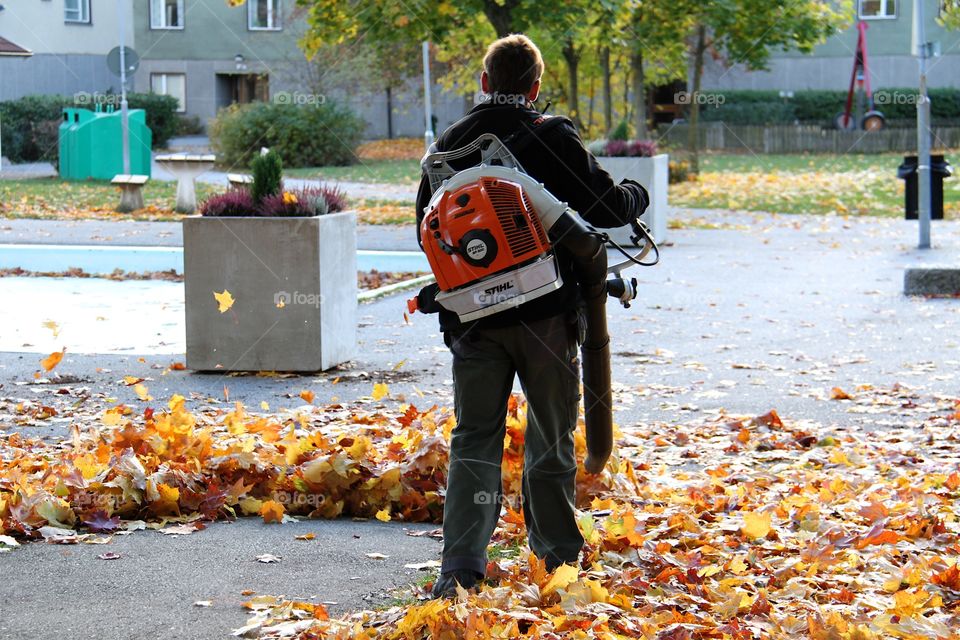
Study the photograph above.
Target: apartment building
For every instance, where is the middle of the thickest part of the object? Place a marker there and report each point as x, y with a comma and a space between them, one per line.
891, 63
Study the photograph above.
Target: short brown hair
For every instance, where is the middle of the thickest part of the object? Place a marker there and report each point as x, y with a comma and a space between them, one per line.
513, 63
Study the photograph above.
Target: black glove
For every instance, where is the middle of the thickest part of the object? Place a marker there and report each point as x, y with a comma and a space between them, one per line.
427, 299
641, 197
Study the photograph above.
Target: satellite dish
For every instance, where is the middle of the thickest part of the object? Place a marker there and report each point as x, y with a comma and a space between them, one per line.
131, 59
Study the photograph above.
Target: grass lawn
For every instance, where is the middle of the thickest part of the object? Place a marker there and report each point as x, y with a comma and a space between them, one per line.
854, 184
817, 184
53, 198
404, 171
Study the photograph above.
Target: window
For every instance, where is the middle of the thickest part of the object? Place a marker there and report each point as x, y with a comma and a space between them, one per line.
171, 84
877, 9
166, 14
263, 15
76, 11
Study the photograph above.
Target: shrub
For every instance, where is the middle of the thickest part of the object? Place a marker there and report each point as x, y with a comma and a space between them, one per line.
189, 125
631, 149
31, 123
267, 176
679, 171
821, 106
621, 131
161, 115
30, 127
305, 135
233, 202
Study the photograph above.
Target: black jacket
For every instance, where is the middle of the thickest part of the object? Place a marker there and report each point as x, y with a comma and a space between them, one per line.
558, 159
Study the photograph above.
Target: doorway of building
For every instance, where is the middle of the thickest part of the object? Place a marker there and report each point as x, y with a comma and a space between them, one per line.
241, 88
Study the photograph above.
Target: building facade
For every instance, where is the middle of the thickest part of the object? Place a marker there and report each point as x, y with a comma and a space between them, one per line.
891, 63
66, 41
206, 53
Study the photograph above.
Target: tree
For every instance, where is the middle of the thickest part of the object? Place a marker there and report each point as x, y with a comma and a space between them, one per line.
950, 14
745, 32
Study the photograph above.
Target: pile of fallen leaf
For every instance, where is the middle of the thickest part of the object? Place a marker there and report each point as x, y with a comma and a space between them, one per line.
394, 149
723, 527
728, 528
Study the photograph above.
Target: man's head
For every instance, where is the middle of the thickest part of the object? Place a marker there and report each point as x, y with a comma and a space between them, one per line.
512, 66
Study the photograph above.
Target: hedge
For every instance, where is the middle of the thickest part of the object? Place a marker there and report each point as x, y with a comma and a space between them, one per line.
821, 106
309, 135
31, 123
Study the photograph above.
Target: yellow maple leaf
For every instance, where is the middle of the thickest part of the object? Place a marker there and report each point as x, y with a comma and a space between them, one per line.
384, 514
380, 391
564, 575
224, 299
755, 525
142, 392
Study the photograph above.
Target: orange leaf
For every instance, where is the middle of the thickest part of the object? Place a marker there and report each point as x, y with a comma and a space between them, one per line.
52, 360
307, 395
272, 511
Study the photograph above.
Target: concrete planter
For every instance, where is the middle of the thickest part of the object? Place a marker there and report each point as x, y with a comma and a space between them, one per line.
294, 282
652, 173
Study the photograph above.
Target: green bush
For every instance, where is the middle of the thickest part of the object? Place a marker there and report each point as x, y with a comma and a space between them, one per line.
162, 117
30, 127
267, 172
31, 123
821, 106
750, 113
303, 135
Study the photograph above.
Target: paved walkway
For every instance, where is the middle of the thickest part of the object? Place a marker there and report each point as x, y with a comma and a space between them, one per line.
771, 313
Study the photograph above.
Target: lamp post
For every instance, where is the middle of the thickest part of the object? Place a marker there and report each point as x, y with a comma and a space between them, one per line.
427, 107
921, 48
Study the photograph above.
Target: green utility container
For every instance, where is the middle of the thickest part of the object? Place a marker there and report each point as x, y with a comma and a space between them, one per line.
91, 143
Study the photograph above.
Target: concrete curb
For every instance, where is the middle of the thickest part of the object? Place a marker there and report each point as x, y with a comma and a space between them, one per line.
931, 281
396, 287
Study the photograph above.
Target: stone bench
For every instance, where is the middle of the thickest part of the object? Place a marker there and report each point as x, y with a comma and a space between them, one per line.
131, 191
238, 180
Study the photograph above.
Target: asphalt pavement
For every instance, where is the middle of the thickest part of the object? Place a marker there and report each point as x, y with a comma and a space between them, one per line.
746, 313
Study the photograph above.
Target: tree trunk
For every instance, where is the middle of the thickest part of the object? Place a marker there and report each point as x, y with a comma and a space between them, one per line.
607, 91
572, 57
639, 96
693, 134
501, 16
389, 113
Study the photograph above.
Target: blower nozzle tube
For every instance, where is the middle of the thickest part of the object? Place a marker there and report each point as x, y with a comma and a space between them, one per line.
590, 269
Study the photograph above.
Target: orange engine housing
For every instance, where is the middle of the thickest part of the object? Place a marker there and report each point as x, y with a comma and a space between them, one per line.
480, 229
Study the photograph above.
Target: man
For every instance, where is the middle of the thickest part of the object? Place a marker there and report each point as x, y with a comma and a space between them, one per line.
537, 341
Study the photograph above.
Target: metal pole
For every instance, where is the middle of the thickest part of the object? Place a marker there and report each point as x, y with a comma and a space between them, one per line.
124, 122
427, 107
923, 131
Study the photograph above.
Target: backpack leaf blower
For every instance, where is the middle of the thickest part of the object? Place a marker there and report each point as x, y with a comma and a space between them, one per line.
490, 233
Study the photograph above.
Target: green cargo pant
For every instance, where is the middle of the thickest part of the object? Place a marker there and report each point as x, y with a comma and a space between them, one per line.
544, 355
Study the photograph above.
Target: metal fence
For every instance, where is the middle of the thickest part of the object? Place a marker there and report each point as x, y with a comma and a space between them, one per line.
805, 138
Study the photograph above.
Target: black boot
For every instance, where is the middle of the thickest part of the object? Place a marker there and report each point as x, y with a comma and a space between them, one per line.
446, 584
